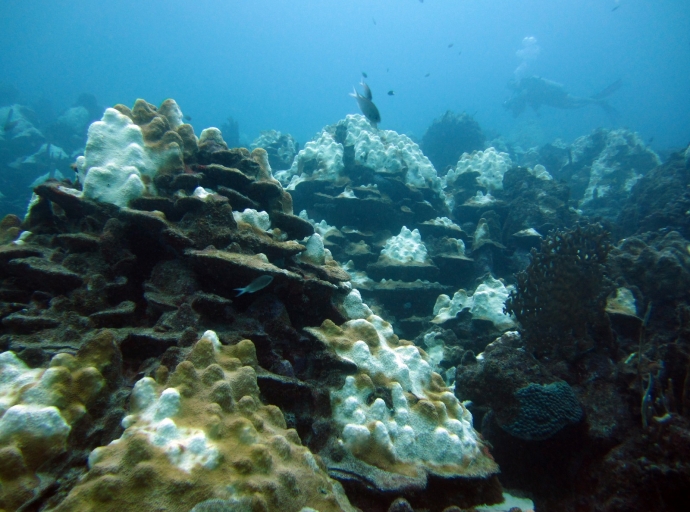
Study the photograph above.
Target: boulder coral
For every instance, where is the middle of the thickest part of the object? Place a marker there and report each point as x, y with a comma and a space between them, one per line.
396, 413
384, 152
39, 406
199, 433
127, 149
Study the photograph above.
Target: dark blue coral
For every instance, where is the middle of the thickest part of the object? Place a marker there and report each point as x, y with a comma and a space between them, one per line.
544, 410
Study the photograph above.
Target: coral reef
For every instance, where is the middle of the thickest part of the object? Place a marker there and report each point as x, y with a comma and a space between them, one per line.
544, 410
38, 408
149, 273
480, 171
562, 293
659, 200
377, 174
396, 414
204, 423
133, 375
118, 166
19, 135
406, 247
448, 137
601, 168
486, 303
281, 148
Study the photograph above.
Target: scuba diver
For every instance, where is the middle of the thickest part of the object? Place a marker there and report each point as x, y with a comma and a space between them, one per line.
536, 91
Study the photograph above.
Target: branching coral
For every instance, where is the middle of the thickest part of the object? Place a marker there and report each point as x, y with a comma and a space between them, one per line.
561, 296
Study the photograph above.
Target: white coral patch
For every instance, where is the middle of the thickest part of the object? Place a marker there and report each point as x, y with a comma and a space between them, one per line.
407, 247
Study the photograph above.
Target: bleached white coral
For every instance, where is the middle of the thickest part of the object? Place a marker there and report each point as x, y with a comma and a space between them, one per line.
486, 303
255, 218
443, 221
29, 403
401, 428
622, 162
316, 253
212, 135
540, 172
459, 245
384, 151
117, 166
389, 152
407, 247
354, 307
153, 415
490, 164
322, 228
15, 375
321, 158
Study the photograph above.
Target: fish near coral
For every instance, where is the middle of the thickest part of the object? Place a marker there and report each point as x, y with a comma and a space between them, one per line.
367, 92
367, 106
257, 284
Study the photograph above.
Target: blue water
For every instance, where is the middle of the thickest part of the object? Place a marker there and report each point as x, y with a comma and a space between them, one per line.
289, 65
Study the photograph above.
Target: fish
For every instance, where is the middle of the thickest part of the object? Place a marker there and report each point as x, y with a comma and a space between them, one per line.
365, 75
373, 20
451, 45
367, 91
367, 106
391, 93
187, 117
427, 75
257, 284
615, 8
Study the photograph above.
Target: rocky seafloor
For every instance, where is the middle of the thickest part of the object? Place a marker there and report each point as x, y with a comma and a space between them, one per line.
410, 339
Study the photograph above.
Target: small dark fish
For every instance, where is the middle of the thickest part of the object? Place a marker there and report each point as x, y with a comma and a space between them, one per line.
651, 139
451, 45
391, 93
365, 75
460, 52
367, 91
615, 8
257, 284
368, 108
427, 75
187, 117
373, 20
387, 70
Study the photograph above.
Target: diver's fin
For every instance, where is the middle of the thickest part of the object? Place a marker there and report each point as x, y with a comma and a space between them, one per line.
613, 114
608, 91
